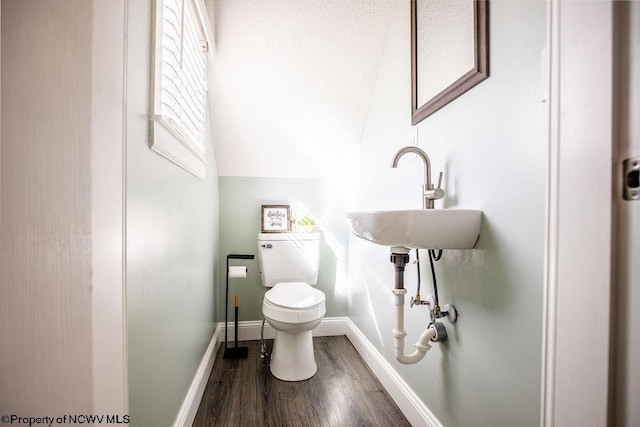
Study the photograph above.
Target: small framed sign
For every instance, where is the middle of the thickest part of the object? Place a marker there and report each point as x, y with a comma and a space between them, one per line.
275, 219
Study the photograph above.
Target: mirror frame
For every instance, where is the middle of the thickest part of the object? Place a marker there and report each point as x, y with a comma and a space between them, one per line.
465, 82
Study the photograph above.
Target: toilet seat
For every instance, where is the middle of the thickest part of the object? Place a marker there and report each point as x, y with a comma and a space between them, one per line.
294, 302
294, 295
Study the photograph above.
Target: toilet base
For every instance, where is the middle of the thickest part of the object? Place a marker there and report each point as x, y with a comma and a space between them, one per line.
292, 357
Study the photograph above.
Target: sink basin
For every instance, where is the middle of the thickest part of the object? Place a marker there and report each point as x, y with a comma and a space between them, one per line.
419, 228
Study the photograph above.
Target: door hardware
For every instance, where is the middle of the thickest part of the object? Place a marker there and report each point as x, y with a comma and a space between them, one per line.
631, 179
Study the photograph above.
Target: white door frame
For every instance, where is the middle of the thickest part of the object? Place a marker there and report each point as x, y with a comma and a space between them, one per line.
108, 204
108, 207
575, 377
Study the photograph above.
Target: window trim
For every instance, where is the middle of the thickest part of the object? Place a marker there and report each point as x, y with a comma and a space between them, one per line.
165, 137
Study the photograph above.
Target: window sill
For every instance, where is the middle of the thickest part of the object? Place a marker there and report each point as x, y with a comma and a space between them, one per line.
168, 142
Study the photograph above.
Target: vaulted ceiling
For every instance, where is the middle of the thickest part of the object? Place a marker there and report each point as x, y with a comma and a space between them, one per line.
291, 82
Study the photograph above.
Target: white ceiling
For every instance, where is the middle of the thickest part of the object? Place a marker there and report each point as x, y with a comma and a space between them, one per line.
291, 82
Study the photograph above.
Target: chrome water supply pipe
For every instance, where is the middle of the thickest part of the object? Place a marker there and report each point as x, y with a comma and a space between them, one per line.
263, 346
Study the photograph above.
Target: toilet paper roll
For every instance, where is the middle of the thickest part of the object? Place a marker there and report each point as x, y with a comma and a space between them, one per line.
238, 272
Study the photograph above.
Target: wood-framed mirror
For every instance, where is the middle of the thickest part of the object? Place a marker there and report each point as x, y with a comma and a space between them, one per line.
449, 52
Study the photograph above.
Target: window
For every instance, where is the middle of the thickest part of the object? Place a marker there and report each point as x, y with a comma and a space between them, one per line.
181, 41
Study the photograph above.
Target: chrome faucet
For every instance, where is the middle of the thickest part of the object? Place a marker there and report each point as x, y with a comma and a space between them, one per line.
429, 193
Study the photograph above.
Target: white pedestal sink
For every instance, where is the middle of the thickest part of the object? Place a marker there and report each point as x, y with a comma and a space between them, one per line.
419, 228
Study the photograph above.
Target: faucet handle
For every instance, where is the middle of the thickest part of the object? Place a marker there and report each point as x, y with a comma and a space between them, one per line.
438, 192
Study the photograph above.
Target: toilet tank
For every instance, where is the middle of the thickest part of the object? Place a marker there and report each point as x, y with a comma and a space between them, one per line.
288, 257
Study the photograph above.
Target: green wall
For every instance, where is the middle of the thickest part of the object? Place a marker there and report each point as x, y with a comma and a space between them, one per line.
492, 145
240, 202
172, 235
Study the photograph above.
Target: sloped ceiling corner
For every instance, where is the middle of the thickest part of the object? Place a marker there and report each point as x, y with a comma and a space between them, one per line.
291, 82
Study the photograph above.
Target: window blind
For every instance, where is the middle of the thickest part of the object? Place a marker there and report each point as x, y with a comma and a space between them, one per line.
183, 73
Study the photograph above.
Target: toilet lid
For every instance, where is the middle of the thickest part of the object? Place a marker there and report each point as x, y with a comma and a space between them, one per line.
294, 295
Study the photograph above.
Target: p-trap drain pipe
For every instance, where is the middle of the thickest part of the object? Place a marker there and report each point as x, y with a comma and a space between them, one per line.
434, 332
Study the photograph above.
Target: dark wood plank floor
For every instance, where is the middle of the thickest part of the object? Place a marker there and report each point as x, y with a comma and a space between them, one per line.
344, 392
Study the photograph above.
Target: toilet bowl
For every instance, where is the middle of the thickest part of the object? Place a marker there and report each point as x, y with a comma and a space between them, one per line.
293, 310
289, 266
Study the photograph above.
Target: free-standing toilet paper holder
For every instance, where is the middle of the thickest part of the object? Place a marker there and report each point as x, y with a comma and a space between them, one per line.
235, 352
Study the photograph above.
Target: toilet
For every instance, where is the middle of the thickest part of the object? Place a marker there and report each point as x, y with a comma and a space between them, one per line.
289, 266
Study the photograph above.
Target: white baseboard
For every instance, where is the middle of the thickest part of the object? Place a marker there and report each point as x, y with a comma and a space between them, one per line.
191, 402
250, 330
409, 403
411, 406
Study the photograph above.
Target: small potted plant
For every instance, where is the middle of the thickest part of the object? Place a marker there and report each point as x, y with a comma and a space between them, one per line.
305, 224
